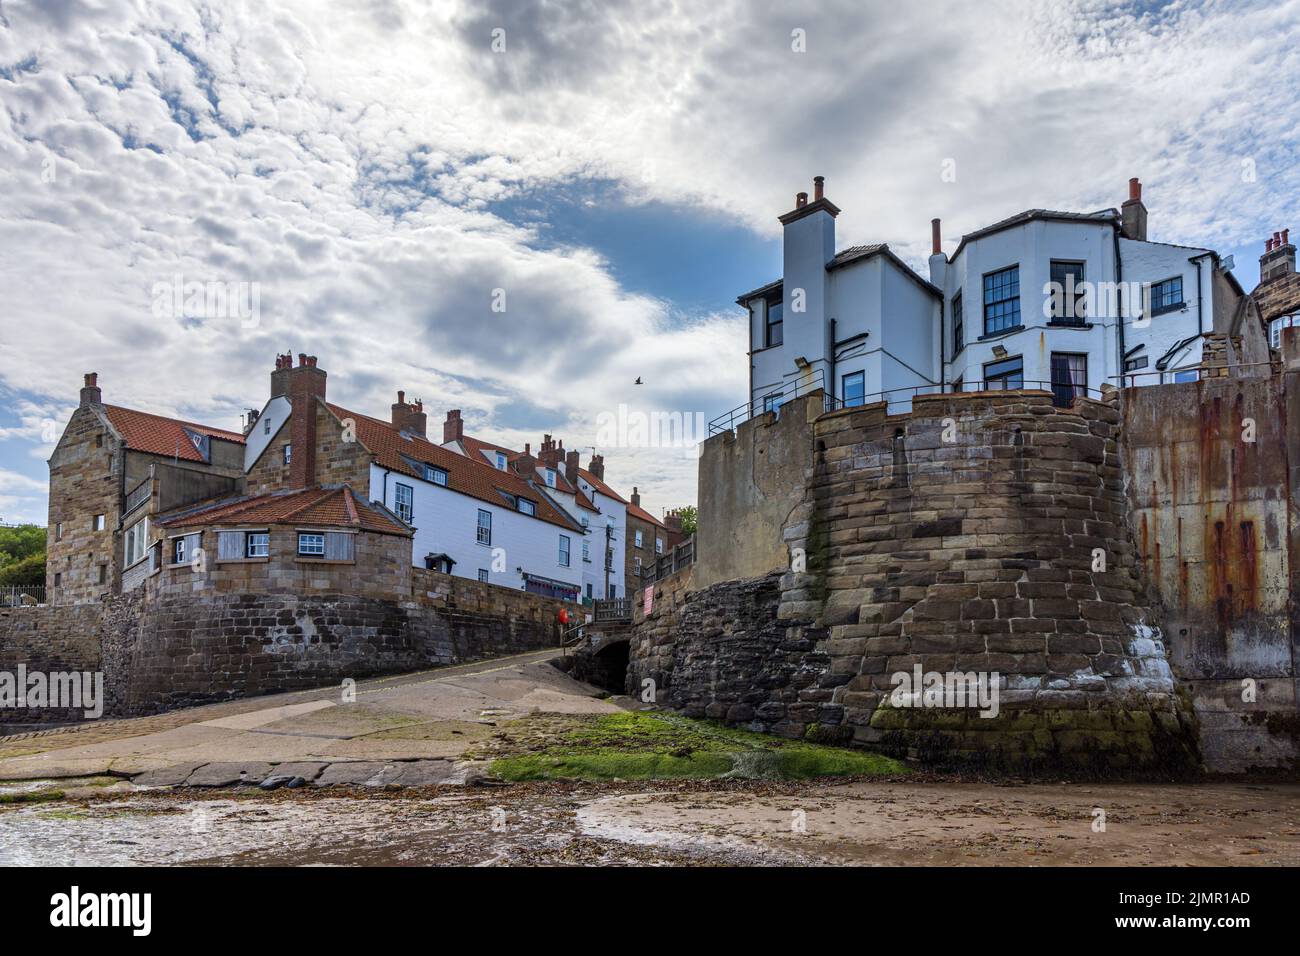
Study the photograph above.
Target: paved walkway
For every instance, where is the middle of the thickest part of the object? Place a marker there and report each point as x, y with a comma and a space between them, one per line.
430, 717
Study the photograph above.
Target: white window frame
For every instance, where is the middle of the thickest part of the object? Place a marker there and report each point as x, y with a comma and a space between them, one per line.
566, 551
313, 553
435, 475
404, 509
526, 507
483, 530
248, 544
640, 539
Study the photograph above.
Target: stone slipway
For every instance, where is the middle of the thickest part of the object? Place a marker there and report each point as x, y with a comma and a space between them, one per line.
404, 731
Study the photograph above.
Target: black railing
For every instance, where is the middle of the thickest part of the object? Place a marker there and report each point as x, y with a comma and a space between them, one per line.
772, 402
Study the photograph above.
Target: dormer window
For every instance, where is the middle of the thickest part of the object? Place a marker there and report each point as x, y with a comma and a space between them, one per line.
436, 475
501, 461
266, 426
550, 477
525, 506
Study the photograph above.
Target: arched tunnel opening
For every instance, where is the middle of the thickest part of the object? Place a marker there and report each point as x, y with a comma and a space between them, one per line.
609, 667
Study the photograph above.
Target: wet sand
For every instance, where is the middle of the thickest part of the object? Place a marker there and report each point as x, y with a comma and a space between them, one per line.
698, 823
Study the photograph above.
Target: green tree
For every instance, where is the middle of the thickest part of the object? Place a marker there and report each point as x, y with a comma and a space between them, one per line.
690, 516
22, 555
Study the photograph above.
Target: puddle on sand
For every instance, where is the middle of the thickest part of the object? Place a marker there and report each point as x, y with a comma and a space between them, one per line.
320, 831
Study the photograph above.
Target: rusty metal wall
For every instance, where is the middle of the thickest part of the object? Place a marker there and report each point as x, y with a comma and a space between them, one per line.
1212, 469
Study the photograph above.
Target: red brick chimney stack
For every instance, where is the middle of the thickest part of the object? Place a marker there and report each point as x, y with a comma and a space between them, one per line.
410, 418
936, 240
1133, 214
305, 387
453, 429
636, 496
819, 187
90, 391
597, 466
1278, 259
571, 467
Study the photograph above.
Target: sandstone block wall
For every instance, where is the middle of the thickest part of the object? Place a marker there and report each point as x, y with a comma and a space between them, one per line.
963, 537
161, 649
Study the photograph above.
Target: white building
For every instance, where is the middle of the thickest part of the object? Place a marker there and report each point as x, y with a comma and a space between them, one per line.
580, 493
1051, 300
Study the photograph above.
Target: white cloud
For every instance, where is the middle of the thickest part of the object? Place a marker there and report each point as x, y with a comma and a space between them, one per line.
344, 158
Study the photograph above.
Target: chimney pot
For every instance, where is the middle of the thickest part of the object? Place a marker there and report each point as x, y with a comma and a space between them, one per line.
1286, 237
800, 200
819, 183
401, 397
936, 243
1135, 189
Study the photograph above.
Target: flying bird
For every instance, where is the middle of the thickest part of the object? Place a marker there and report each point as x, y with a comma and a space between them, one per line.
638, 381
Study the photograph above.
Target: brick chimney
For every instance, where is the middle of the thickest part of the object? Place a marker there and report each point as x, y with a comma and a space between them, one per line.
453, 429
551, 453
525, 465
673, 521
938, 261
90, 393
410, 418
305, 383
280, 377
636, 496
571, 467
1278, 259
597, 466
1133, 221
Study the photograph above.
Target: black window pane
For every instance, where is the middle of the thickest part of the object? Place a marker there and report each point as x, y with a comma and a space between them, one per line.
1067, 293
1002, 300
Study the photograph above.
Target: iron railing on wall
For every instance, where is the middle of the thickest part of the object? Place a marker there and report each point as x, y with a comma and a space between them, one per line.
26, 595
772, 402
1063, 394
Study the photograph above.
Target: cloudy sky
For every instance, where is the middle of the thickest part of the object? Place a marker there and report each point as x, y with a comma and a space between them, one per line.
378, 169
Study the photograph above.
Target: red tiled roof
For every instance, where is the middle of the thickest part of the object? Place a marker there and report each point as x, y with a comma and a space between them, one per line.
318, 507
636, 511
600, 486
158, 435
465, 474
476, 446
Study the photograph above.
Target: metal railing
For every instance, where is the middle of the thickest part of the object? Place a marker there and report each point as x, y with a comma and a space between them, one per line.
772, 402
137, 495
25, 595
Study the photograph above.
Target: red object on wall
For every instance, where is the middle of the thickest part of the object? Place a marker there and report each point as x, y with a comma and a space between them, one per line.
564, 615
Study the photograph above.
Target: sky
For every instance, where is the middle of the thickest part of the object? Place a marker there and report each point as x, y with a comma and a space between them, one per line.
519, 209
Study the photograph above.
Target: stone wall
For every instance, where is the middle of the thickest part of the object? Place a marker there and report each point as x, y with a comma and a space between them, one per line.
982, 534
750, 480
159, 648
85, 481
47, 639
381, 568
1214, 485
